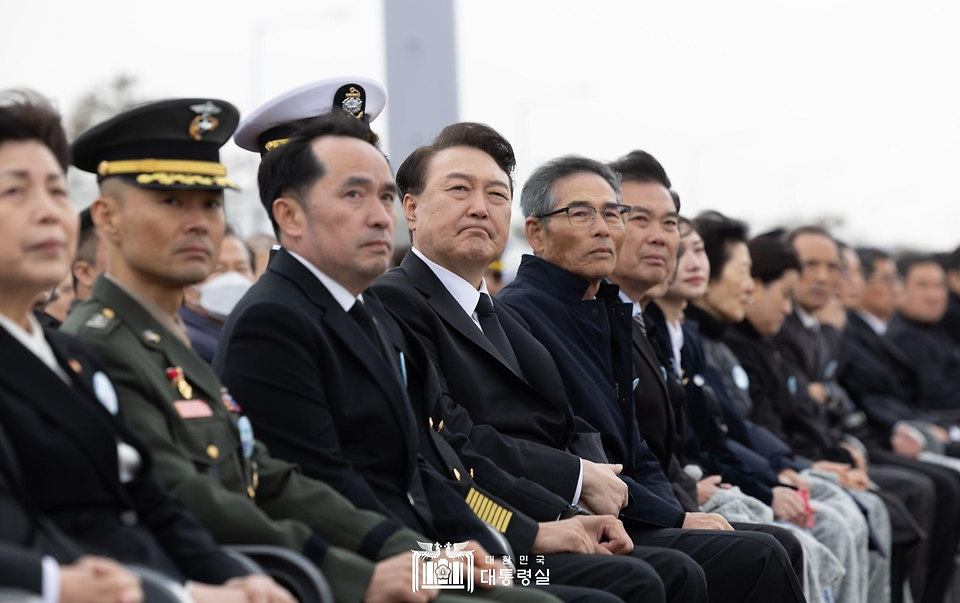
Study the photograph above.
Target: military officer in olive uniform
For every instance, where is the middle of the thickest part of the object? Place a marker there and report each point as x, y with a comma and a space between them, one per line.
161, 212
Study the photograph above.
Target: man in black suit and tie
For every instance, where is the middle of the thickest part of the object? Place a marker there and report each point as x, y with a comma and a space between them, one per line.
457, 194
338, 386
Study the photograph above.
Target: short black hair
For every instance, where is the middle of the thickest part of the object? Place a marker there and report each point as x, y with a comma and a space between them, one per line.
908, 262
641, 166
412, 173
813, 229
869, 256
293, 168
26, 115
718, 232
771, 259
951, 261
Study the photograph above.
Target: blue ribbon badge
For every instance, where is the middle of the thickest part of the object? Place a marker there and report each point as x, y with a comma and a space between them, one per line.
105, 392
246, 436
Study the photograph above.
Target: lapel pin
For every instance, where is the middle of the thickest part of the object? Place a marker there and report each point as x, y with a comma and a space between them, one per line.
151, 336
108, 313
105, 392
75, 365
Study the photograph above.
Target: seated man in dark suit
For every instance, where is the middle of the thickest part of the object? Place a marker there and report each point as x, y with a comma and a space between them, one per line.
951, 319
915, 330
575, 223
349, 393
882, 377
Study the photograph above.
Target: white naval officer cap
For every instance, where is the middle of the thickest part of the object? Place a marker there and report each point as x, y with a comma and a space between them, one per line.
272, 123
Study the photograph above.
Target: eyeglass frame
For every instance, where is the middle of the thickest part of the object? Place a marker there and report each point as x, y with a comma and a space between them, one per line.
623, 210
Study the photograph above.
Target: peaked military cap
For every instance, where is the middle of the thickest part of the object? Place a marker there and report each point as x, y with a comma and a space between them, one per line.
165, 144
272, 123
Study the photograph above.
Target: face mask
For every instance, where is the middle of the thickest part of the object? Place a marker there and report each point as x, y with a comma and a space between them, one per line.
220, 295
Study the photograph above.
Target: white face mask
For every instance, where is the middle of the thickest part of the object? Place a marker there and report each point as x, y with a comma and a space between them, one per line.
220, 295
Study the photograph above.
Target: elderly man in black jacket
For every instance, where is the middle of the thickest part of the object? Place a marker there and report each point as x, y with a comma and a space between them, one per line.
575, 223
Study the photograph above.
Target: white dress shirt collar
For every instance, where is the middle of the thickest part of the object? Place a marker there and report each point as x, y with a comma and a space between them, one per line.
338, 291
879, 327
636, 305
466, 294
35, 341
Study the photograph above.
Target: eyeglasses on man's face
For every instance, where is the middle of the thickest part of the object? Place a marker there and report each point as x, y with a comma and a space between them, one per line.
582, 216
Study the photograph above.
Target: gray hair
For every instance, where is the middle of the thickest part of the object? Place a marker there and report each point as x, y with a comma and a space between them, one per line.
539, 198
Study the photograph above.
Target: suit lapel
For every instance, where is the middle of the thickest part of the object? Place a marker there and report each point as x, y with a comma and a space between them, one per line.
85, 420
444, 304
344, 328
9, 465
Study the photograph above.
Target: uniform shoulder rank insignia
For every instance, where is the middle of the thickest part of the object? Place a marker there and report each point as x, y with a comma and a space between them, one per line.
98, 321
228, 402
205, 121
175, 375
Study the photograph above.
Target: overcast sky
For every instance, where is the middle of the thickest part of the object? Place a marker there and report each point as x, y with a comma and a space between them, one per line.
767, 111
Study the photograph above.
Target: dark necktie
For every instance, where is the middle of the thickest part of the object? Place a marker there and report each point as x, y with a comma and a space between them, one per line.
494, 332
368, 324
360, 315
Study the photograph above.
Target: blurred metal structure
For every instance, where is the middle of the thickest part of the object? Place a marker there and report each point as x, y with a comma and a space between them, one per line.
421, 76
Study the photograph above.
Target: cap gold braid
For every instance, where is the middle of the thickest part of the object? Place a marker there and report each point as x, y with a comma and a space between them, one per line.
149, 166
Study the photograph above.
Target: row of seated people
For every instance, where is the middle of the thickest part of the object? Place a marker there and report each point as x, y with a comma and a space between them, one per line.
423, 410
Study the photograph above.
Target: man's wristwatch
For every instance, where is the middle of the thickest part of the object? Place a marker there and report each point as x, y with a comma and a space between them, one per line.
573, 510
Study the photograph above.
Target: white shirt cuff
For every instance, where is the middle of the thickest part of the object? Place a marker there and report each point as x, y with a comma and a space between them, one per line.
954, 433
51, 580
576, 495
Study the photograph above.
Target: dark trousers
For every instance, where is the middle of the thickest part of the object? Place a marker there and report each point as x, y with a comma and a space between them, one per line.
740, 567
932, 578
784, 536
626, 578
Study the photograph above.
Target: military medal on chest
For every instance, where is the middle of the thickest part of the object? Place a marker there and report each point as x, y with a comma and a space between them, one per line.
175, 375
228, 402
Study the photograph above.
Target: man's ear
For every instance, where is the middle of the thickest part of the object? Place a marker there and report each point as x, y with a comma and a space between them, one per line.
84, 273
289, 216
107, 217
410, 205
535, 231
